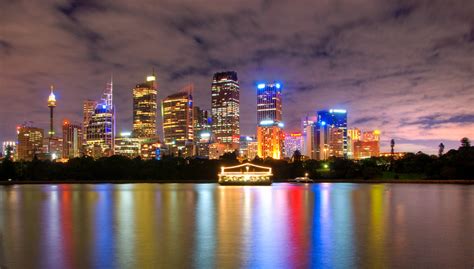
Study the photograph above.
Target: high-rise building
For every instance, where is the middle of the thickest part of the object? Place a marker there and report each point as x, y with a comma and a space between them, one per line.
101, 127
225, 109
331, 134
270, 136
308, 124
30, 142
177, 110
145, 108
293, 142
88, 109
72, 140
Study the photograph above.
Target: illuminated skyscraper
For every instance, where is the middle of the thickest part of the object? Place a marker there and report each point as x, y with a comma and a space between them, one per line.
270, 136
30, 142
178, 122
145, 108
87, 110
225, 109
72, 140
331, 134
101, 126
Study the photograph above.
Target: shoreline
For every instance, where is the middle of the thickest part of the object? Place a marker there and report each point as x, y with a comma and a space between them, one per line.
366, 181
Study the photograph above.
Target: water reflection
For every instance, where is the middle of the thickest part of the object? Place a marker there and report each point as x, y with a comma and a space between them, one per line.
210, 226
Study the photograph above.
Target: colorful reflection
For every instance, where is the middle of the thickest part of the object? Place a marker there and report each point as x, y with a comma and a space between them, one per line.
210, 226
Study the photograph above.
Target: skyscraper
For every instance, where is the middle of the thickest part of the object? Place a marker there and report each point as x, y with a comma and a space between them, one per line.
145, 108
270, 136
101, 126
88, 109
72, 140
178, 122
331, 134
225, 109
30, 142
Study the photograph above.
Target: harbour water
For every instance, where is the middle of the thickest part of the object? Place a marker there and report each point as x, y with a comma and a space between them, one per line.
332, 225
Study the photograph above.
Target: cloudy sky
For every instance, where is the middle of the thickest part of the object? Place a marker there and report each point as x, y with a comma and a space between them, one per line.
405, 67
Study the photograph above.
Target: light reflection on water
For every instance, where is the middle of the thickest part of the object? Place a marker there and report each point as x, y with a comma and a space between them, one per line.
210, 226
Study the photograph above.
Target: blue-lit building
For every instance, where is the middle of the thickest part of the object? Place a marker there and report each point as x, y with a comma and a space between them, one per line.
100, 132
270, 136
330, 135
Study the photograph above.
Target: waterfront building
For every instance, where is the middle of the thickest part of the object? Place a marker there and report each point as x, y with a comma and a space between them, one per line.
368, 146
177, 111
30, 142
331, 134
101, 127
145, 108
307, 126
52, 148
128, 146
270, 136
13, 149
248, 147
353, 135
216, 150
72, 140
203, 144
293, 142
225, 113
151, 149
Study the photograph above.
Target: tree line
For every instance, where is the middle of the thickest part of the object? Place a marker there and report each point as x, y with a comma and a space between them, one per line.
454, 164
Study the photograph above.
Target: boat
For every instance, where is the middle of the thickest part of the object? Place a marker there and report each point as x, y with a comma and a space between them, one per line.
304, 179
245, 174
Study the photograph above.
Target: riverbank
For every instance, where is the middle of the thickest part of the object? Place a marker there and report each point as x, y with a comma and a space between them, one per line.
370, 181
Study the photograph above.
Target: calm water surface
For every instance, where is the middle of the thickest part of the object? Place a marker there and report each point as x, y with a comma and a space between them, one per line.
209, 226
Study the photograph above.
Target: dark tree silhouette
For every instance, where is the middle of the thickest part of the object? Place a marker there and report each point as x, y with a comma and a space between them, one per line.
465, 142
441, 149
296, 156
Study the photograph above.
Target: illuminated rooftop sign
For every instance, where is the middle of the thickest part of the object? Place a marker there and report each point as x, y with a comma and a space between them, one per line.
266, 122
342, 111
261, 86
150, 78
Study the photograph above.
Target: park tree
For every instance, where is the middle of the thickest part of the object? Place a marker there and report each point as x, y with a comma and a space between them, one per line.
465, 142
441, 149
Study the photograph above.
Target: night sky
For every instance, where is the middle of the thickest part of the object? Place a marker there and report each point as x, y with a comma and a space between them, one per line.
405, 67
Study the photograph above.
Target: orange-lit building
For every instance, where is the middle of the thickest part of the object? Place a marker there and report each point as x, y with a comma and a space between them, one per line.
368, 146
270, 142
30, 142
178, 122
270, 136
145, 108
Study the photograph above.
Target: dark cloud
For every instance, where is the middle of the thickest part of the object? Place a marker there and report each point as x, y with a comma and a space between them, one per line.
405, 67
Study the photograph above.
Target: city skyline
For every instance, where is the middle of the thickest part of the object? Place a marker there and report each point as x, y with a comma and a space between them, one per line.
346, 62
